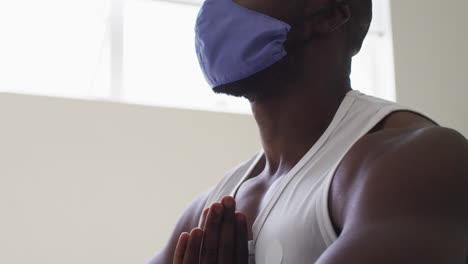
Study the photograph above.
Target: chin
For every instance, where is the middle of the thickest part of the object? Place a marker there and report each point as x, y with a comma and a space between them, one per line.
250, 88
259, 85
236, 89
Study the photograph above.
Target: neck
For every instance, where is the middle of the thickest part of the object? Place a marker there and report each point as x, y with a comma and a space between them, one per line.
291, 122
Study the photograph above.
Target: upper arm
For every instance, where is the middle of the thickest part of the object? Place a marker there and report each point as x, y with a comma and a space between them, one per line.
409, 203
186, 223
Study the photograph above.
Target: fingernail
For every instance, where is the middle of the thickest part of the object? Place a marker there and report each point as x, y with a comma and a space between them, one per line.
240, 217
229, 203
195, 232
218, 209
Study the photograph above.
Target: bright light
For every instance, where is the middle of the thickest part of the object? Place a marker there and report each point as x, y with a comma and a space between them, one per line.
52, 47
161, 66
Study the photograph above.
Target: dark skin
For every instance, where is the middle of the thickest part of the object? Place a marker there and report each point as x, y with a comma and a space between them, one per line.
222, 238
398, 196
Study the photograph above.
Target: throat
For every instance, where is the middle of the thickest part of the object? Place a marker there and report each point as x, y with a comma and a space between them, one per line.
289, 127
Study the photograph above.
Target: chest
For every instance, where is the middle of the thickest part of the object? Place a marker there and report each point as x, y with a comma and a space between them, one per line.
252, 197
285, 218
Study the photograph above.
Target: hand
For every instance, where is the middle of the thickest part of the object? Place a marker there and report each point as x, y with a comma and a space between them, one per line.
223, 239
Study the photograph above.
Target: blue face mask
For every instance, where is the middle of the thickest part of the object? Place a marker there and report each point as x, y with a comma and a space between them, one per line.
233, 42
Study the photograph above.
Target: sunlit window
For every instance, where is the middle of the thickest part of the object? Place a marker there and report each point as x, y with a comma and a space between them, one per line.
139, 51
54, 47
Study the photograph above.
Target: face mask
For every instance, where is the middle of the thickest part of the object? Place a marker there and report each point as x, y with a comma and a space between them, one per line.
233, 42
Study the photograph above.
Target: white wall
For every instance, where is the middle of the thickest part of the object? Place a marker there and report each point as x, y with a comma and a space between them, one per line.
431, 55
93, 182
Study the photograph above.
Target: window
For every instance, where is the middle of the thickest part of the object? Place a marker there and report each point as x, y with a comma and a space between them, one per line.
54, 47
139, 51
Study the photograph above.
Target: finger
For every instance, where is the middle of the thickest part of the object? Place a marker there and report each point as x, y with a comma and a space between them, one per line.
242, 239
180, 249
192, 252
227, 232
203, 222
209, 252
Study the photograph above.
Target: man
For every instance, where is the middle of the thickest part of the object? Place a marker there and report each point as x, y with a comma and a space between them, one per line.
342, 177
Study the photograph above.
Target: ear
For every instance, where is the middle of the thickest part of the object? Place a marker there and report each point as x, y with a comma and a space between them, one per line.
332, 20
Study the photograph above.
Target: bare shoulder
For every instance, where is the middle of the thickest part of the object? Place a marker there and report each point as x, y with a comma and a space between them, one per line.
411, 148
407, 164
186, 223
402, 143
401, 192
429, 159
428, 151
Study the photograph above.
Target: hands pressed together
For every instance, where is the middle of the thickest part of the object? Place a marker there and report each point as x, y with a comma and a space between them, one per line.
222, 238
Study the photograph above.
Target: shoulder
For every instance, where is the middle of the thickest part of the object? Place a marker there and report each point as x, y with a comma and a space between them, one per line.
404, 150
403, 194
396, 145
413, 173
407, 164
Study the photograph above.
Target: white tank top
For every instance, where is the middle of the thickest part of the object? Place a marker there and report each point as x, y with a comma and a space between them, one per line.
294, 225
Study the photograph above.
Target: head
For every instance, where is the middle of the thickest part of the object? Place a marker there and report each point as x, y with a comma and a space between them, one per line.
324, 37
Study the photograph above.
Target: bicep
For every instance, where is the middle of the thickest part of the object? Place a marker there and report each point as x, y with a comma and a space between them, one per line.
186, 223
